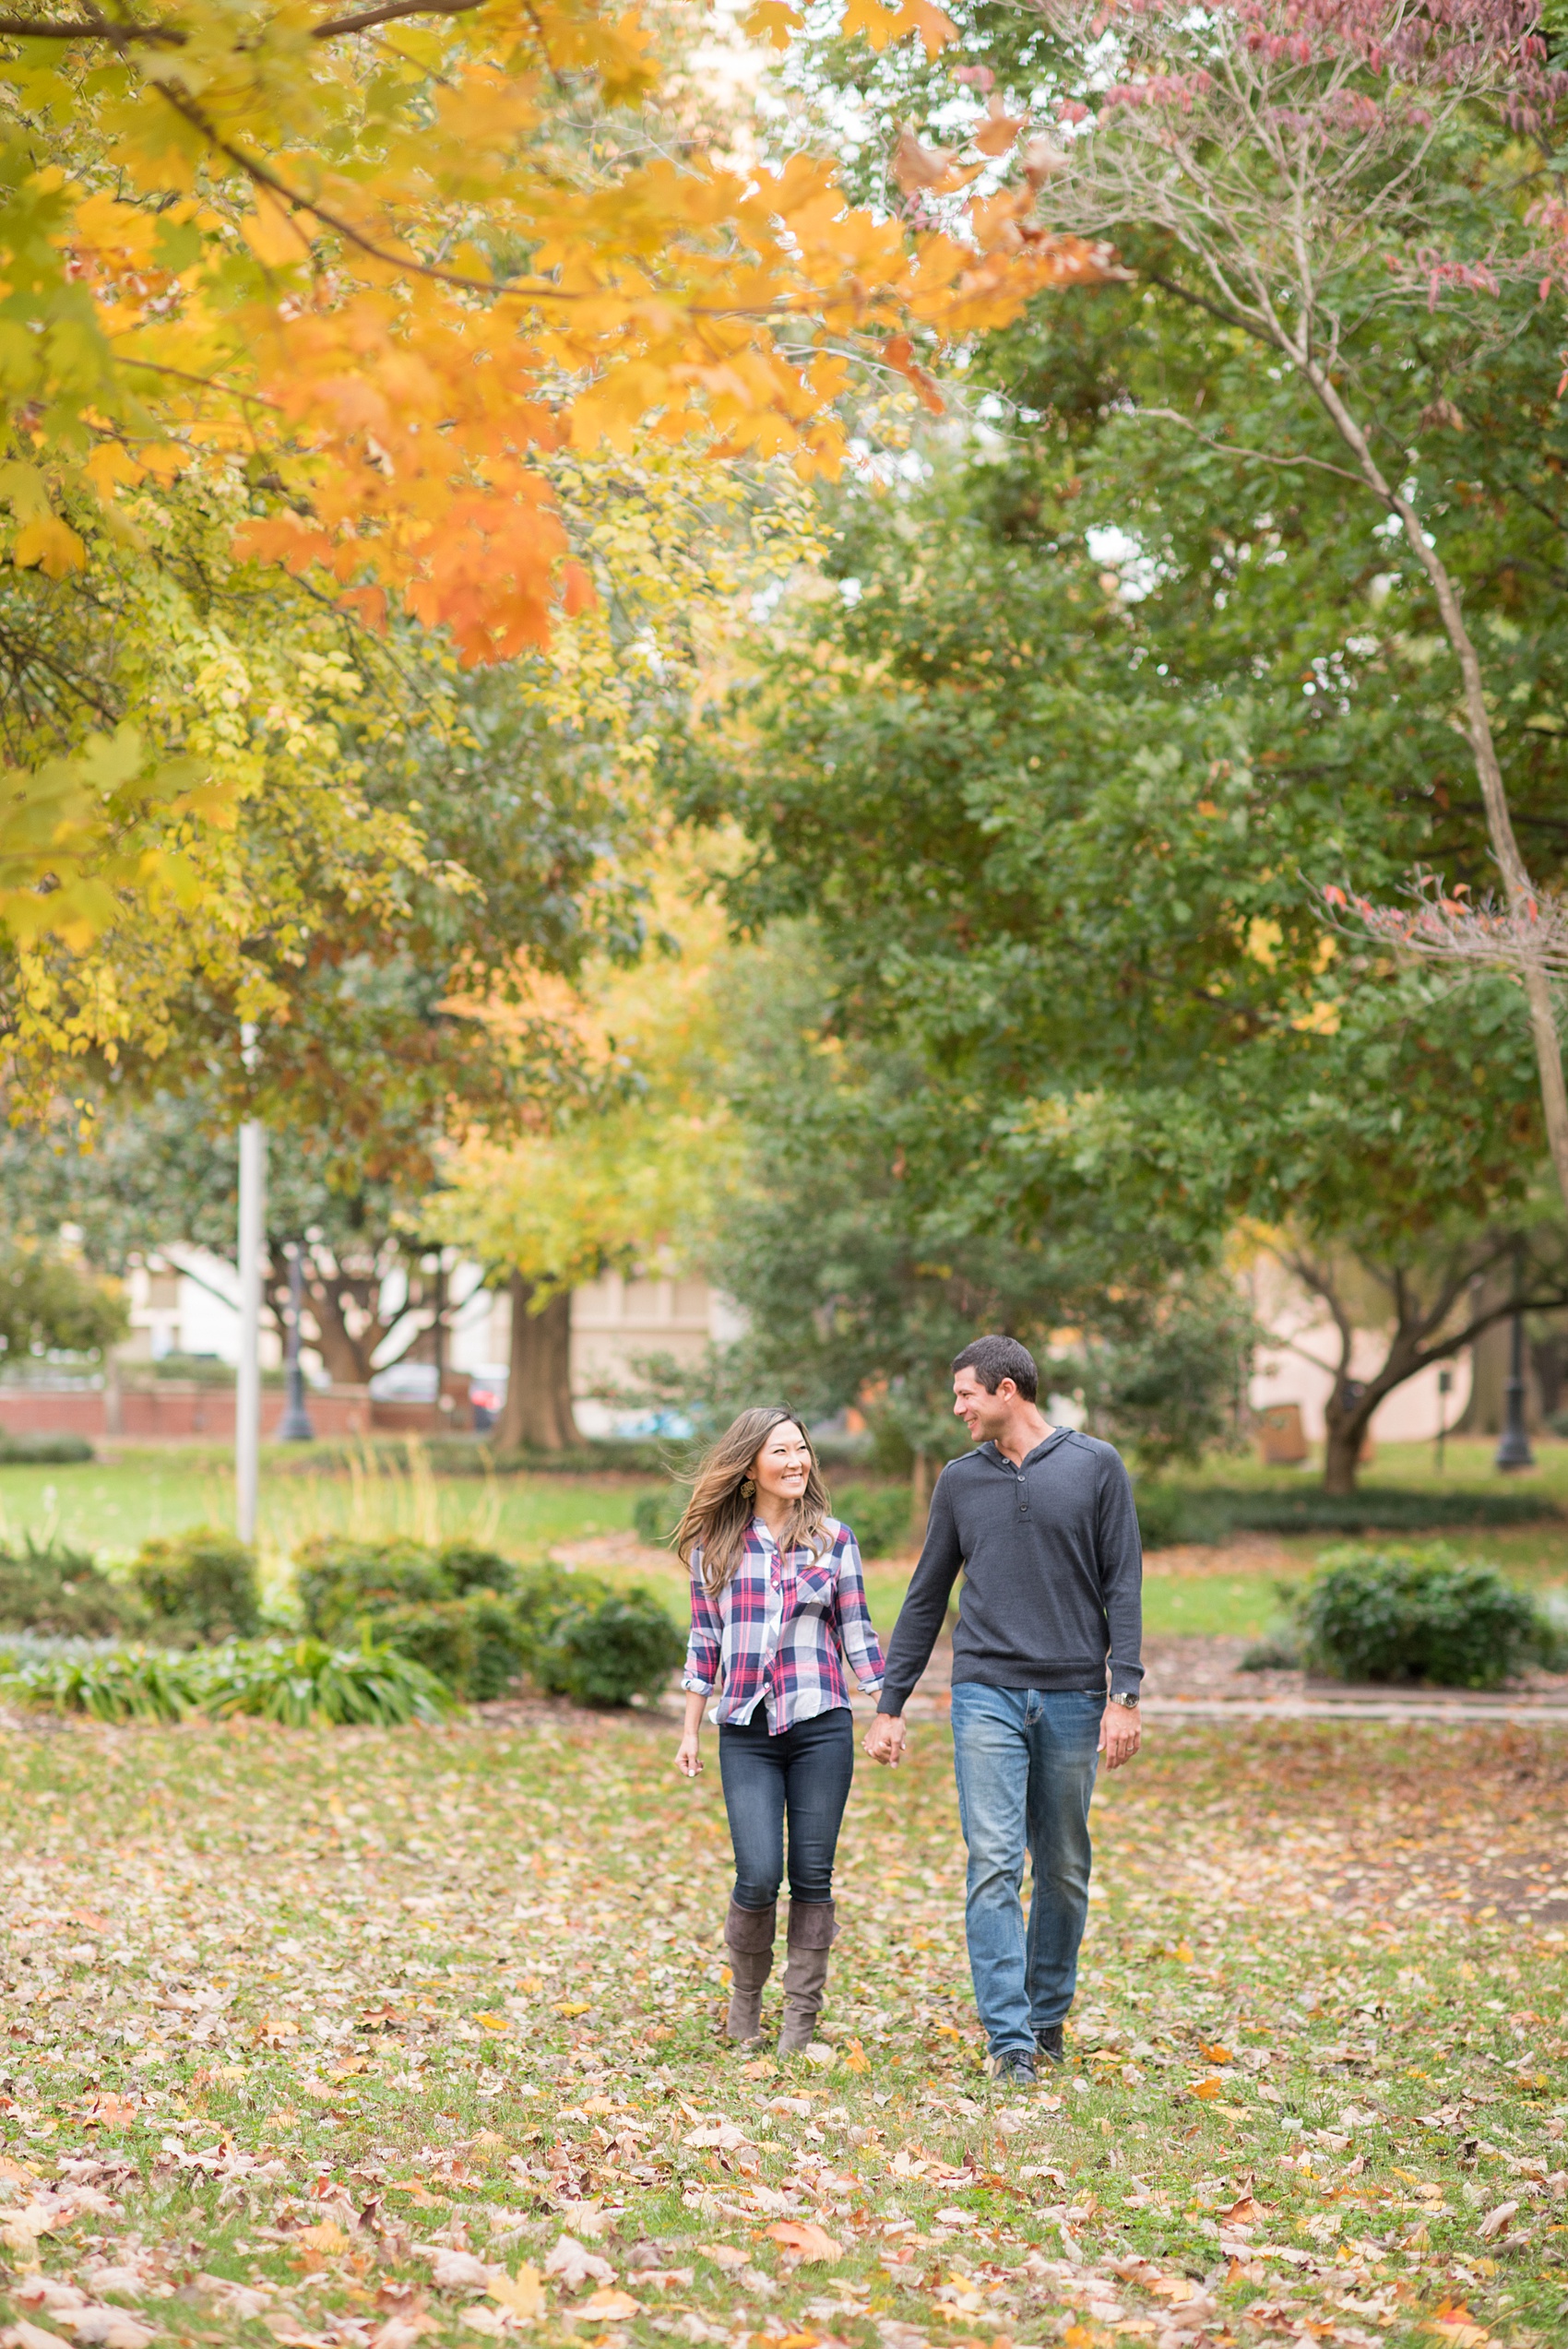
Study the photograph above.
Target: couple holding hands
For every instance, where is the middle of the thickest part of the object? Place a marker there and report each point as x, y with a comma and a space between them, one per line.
1045, 1680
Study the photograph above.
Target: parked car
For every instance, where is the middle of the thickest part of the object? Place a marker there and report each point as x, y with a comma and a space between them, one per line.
487, 1395
404, 1382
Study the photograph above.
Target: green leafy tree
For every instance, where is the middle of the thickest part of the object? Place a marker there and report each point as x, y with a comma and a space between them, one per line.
623, 1174
49, 1304
1052, 777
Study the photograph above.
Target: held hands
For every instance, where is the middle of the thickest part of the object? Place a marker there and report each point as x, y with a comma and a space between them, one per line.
884, 1739
1121, 1734
688, 1760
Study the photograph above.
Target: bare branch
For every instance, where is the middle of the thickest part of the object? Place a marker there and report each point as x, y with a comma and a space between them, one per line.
1257, 456
1437, 925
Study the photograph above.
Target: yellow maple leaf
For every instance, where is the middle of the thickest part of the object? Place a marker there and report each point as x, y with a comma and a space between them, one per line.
49, 544
522, 2292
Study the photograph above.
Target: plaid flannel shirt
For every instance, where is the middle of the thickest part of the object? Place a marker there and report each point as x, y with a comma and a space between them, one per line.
776, 1631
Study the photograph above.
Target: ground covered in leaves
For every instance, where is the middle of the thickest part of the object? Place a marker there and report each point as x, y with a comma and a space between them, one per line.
350, 2038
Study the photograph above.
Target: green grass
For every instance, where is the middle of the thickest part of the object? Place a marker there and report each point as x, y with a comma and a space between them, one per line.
308, 2013
1468, 1468
111, 1506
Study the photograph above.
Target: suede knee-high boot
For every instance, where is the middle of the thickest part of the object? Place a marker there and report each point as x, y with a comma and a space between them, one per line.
748, 1935
813, 1930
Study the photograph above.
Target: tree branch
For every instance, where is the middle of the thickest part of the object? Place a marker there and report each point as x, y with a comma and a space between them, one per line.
1258, 456
129, 36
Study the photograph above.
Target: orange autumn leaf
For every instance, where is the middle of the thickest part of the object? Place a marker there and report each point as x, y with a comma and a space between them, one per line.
807, 2240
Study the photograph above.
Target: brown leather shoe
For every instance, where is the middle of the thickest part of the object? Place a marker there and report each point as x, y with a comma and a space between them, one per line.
812, 1931
748, 1933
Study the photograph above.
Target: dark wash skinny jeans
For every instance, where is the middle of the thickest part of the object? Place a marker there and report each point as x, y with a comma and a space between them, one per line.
804, 1774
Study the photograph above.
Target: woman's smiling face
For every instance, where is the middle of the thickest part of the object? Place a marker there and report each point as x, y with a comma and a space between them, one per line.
784, 1463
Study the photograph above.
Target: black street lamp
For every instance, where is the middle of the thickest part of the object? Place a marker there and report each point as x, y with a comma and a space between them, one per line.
1514, 1452
295, 1426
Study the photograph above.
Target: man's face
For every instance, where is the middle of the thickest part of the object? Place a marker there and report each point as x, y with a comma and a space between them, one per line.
985, 1416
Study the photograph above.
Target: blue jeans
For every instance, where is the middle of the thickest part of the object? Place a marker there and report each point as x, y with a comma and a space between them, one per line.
1026, 1762
805, 1773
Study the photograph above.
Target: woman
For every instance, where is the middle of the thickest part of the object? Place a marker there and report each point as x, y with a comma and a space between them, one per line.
777, 1596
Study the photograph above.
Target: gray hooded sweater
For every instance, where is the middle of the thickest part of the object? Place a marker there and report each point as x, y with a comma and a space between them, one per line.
1052, 1572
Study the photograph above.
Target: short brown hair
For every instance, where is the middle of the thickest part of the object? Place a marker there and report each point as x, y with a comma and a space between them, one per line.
996, 1359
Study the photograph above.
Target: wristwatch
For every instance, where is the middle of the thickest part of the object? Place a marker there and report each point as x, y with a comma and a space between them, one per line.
1125, 1697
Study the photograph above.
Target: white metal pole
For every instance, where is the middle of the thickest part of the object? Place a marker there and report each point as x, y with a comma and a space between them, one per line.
247, 1385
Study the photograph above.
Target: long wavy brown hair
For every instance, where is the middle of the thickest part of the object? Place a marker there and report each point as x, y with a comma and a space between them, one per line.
721, 1509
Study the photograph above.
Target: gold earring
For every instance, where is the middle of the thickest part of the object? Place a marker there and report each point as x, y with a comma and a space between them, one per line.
748, 1487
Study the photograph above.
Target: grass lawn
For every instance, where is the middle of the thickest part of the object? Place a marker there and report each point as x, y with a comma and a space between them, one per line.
344, 2039
111, 1506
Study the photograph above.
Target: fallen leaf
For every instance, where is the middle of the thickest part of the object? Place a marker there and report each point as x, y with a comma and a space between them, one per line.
572, 2266
459, 2271
1495, 2220
110, 2328
808, 2241
724, 2255
325, 2236
522, 2292
32, 2336
1206, 2087
609, 2303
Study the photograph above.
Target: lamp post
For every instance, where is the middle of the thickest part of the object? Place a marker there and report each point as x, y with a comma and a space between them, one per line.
1444, 1389
1514, 1452
296, 1427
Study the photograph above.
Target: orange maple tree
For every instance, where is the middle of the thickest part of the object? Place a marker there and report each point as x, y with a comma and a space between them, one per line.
387, 262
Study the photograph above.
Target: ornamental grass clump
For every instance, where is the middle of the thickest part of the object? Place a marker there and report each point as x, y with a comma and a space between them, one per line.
293, 1681
1417, 1613
57, 1593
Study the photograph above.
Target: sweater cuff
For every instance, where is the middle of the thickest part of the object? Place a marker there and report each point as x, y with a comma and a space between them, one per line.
1126, 1679
892, 1701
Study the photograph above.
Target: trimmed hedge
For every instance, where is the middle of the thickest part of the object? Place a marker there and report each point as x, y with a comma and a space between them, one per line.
18, 1451
199, 1586
1419, 1614
606, 1647
338, 1579
1172, 1514
468, 1615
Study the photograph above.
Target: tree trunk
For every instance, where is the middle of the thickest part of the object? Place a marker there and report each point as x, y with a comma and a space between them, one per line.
919, 1493
348, 1362
1342, 1453
1544, 1030
1482, 1415
537, 1416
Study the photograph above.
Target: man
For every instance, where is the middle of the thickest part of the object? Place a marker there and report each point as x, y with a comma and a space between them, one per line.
1042, 1521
